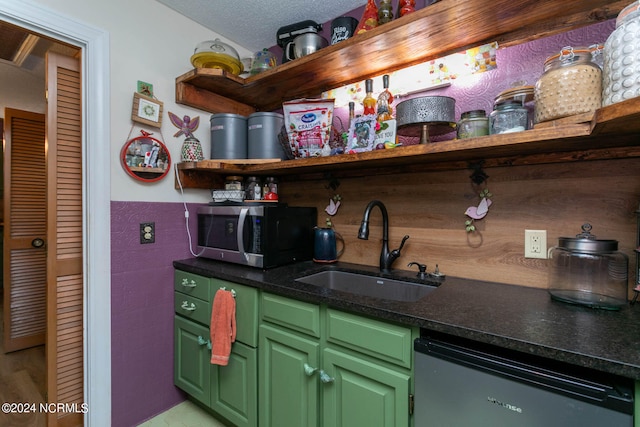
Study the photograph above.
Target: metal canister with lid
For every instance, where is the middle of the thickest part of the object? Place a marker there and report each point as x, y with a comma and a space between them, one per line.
587, 271
571, 84
621, 65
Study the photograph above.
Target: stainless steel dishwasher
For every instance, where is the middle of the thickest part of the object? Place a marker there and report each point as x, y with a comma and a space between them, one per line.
463, 383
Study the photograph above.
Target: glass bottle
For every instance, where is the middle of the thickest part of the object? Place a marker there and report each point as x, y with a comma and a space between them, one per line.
352, 113
406, 6
369, 102
385, 12
385, 99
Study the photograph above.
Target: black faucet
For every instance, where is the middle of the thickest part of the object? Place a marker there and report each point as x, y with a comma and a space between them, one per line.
386, 258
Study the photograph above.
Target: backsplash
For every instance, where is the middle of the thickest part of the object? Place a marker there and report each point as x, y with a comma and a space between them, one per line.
142, 308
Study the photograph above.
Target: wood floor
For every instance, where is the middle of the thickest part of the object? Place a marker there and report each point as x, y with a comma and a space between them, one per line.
22, 380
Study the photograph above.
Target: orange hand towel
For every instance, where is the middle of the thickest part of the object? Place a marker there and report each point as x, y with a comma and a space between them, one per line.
223, 327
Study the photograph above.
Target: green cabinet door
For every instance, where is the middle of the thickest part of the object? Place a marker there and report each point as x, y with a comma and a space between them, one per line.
234, 387
191, 359
362, 393
288, 390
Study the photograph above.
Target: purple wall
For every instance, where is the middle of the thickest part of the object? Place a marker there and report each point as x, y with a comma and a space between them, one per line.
142, 308
142, 275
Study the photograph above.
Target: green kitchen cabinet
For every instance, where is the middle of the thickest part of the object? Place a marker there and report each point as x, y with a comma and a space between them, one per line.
229, 391
289, 395
191, 359
324, 367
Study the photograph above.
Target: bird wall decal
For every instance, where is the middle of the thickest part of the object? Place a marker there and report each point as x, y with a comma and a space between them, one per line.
480, 211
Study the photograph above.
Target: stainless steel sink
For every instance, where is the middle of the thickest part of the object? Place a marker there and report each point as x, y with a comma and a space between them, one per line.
369, 286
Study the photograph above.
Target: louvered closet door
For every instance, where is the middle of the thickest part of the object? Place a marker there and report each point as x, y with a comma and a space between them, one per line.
65, 360
25, 227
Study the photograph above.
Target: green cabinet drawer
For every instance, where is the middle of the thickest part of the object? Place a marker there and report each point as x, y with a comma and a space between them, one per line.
247, 302
192, 308
296, 315
382, 340
193, 284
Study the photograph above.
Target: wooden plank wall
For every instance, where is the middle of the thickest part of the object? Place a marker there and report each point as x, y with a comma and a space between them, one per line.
430, 206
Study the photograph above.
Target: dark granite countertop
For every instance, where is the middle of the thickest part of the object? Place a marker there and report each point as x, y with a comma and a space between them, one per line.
513, 317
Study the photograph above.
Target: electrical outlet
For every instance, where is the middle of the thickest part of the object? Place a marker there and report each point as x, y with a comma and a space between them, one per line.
147, 232
535, 244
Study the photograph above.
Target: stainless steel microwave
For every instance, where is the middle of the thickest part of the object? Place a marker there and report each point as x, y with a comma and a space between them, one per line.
264, 235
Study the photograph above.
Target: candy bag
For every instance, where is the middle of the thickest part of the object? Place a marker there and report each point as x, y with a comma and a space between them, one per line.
369, 18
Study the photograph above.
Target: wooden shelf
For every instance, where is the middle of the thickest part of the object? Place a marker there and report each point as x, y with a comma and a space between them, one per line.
440, 29
612, 132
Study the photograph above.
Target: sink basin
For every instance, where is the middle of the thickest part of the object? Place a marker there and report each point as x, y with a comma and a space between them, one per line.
369, 286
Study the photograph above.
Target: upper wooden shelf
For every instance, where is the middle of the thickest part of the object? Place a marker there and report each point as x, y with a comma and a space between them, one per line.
611, 132
443, 28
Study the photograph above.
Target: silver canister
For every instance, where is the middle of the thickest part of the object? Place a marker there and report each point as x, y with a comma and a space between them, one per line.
228, 136
262, 135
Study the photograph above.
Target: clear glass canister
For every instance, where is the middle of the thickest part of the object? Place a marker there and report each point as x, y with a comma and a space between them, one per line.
508, 116
571, 84
621, 65
587, 271
472, 124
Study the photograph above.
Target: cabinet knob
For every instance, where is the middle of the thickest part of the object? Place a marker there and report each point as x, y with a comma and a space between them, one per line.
188, 284
309, 370
189, 307
202, 341
326, 378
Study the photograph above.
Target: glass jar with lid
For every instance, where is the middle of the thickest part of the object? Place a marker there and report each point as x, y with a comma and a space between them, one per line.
621, 64
587, 271
472, 124
571, 84
233, 183
508, 116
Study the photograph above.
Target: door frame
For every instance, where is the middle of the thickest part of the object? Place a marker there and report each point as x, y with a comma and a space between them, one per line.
94, 43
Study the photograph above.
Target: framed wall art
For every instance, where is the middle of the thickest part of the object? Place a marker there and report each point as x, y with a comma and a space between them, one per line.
146, 110
362, 134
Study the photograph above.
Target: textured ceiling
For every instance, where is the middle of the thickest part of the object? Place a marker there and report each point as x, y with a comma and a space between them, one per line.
253, 24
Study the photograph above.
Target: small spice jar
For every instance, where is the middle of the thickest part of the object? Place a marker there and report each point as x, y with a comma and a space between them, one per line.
472, 124
508, 116
270, 186
621, 65
253, 189
571, 84
233, 183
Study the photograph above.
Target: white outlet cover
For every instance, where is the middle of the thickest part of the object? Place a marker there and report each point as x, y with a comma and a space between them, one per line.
530, 237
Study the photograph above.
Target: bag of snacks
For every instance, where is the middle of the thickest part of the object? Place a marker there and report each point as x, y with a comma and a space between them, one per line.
369, 18
308, 123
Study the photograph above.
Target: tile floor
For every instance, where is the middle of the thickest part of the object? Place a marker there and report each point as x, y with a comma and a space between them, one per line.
185, 414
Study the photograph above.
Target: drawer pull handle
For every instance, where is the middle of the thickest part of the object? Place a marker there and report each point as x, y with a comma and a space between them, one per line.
201, 341
309, 370
185, 306
187, 284
325, 378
